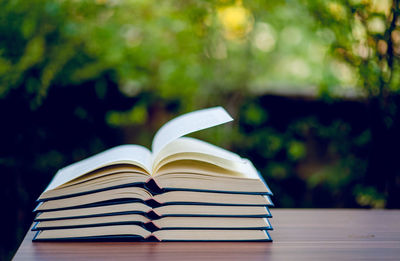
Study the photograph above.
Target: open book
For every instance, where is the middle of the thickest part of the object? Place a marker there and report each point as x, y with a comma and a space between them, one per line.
177, 171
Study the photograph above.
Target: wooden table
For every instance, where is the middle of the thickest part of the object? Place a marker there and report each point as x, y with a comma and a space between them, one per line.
320, 234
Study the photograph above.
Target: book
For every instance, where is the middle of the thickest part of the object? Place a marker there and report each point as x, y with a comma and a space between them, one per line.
157, 212
182, 183
138, 233
157, 224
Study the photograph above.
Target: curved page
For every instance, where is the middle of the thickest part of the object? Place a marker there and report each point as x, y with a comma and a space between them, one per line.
130, 154
188, 123
186, 148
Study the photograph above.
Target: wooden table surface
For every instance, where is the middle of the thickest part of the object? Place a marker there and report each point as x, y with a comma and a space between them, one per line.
299, 234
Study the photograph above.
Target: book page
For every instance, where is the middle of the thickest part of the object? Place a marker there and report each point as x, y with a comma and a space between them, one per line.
188, 123
131, 154
189, 144
186, 148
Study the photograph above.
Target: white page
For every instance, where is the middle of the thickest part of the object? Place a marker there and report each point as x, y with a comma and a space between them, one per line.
135, 154
188, 123
216, 155
189, 144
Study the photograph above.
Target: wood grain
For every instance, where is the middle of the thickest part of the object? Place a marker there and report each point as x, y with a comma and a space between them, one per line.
314, 234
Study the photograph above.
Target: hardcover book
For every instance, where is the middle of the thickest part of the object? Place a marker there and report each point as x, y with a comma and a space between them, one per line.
183, 189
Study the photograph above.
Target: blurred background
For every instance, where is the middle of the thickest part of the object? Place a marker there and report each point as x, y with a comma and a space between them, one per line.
313, 87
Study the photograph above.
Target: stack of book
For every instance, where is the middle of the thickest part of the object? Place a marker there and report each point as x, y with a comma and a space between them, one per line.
183, 190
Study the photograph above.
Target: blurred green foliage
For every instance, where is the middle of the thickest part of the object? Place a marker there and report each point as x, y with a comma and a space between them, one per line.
186, 50
77, 77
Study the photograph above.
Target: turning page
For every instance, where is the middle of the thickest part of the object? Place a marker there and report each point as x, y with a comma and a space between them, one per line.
188, 123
